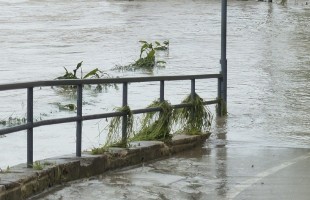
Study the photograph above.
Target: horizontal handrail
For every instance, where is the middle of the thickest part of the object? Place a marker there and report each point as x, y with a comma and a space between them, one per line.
55, 121
91, 117
23, 85
22, 127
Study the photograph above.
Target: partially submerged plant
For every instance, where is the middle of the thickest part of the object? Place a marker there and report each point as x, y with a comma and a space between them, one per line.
114, 137
147, 60
156, 125
13, 121
67, 107
16, 121
194, 119
162, 47
70, 91
93, 74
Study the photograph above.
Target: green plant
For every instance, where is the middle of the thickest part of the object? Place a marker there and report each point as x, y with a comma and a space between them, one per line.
98, 150
71, 75
93, 74
156, 125
37, 165
194, 119
162, 47
68, 107
114, 137
147, 60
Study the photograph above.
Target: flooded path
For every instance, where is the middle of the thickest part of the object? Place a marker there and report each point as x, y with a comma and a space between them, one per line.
211, 172
268, 95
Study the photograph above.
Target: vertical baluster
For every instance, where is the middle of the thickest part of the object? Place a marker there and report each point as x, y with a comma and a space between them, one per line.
30, 130
219, 96
193, 88
124, 120
79, 121
162, 91
193, 93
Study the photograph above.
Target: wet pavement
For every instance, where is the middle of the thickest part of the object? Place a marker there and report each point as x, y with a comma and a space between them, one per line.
218, 170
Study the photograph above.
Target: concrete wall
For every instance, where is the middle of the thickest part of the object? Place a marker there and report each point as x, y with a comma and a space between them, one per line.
20, 182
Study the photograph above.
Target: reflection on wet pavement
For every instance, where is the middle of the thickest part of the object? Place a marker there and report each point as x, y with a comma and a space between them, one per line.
211, 172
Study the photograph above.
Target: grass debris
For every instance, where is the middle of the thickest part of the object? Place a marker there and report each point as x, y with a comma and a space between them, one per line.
195, 119
156, 125
114, 137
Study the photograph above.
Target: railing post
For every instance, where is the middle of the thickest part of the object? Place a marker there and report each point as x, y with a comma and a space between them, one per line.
79, 121
193, 88
162, 91
124, 120
193, 93
219, 97
30, 130
223, 61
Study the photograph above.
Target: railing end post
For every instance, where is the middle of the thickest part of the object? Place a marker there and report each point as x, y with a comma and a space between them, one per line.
221, 108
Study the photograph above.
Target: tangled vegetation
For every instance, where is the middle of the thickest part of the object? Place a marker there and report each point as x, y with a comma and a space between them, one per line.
147, 60
194, 119
114, 137
156, 125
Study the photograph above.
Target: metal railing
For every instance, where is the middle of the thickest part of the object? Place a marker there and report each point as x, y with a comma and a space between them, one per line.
79, 118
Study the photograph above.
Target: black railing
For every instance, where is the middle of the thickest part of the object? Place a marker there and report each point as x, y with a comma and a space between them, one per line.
79, 118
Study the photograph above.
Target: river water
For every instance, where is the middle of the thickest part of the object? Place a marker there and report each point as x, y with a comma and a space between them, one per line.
268, 65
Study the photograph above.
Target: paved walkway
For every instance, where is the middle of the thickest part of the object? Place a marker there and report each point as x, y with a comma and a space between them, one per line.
218, 170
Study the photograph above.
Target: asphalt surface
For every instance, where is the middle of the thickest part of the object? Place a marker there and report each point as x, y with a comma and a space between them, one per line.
220, 169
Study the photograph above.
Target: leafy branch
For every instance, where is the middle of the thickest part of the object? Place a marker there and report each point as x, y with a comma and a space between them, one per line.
93, 74
147, 59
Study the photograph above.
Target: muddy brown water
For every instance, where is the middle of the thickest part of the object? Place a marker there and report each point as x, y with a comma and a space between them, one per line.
268, 71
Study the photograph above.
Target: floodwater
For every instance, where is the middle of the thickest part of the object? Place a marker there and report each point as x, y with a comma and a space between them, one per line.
268, 83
